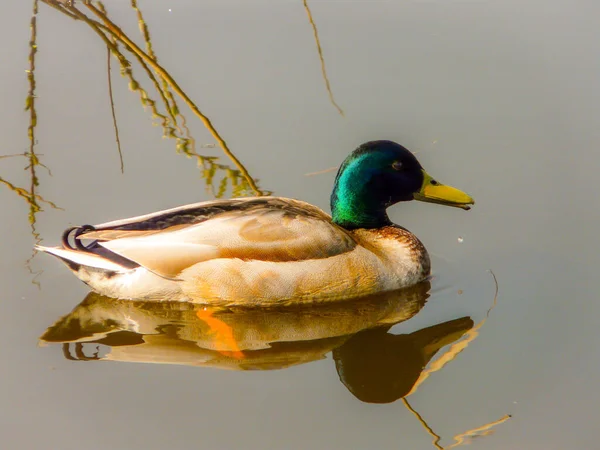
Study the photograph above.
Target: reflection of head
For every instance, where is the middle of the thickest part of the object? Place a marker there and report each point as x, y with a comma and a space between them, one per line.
378, 367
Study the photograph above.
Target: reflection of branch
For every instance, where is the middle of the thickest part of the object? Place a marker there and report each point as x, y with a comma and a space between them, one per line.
112, 109
456, 348
484, 430
163, 73
31, 196
321, 58
460, 439
448, 356
436, 437
28, 196
34, 206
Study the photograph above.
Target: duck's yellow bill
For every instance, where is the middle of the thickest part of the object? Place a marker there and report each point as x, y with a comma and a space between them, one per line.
434, 192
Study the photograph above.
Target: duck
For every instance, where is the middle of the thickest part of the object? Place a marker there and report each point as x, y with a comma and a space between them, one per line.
268, 250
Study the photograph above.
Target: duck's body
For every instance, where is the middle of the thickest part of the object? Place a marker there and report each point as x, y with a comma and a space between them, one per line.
255, 251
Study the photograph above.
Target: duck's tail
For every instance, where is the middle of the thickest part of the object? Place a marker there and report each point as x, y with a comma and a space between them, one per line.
92, 257
77, 260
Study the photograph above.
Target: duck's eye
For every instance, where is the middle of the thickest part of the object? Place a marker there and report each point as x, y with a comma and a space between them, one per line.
397, 165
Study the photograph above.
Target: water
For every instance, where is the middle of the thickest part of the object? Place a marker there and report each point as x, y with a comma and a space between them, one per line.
497, 98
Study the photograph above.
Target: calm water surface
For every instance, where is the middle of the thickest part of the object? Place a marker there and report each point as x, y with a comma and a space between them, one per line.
499, 98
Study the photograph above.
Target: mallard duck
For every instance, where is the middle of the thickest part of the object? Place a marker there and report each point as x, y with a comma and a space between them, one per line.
268, 250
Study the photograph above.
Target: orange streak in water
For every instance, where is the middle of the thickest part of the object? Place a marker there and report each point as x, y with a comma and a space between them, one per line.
223, 334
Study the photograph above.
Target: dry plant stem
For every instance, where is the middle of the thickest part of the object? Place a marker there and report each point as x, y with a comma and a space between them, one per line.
158, 89
320, 172
188, 135
144, 30
112, 41
112, 109
163, 73
12, 156
171, 104
321, 58
100, 28
125, 65
59, 6
168, 129
184, 143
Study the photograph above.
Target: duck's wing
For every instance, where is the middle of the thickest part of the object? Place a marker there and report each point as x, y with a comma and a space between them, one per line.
260, 228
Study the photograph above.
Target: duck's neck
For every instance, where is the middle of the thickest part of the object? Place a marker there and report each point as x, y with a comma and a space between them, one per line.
347, 216
354, 205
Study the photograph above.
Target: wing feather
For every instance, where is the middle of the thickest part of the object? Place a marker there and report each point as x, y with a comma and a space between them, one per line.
263, 228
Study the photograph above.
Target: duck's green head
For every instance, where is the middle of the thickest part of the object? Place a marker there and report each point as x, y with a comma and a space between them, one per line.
379, 174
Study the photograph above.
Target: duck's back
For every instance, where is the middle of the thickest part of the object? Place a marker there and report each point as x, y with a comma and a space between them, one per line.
271, 229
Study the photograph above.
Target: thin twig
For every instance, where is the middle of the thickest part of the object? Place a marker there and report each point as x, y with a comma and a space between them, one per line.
168, 130
188, 144
112, 108
320, 172
134, 85
321, 58
171, 104
12, 156
165, 93
59, 6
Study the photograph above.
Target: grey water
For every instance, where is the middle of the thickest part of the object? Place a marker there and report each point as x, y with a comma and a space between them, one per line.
498, 98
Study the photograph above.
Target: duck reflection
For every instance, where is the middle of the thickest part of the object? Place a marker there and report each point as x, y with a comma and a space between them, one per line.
375, 365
